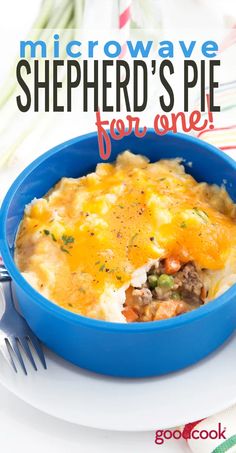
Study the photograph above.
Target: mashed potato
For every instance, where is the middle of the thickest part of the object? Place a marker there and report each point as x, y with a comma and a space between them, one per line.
131, 224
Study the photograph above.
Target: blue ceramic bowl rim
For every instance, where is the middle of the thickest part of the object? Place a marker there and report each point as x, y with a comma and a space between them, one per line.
67, 315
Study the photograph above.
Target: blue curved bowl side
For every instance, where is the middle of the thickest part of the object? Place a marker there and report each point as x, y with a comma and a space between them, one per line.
130, 354
134, 350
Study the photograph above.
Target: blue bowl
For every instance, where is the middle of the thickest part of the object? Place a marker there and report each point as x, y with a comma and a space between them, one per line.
129, 350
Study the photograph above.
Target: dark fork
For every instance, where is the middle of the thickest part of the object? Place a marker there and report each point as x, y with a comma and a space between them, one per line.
15, 334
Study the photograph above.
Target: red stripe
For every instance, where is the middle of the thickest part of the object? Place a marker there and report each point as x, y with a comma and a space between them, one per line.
217, 129
124, 17
228, 147
189, 427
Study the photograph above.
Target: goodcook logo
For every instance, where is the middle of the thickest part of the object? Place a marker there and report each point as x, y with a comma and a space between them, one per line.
166, 434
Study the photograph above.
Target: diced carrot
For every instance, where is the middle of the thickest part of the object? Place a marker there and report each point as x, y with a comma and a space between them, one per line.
172, 265
130, 314
128, 296
170, 308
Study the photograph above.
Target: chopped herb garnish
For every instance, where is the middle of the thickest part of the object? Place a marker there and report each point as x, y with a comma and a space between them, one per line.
47, 233
183, 225
67, 239
102, 267
120, 206
118, 277
64, 250
201, 213
132, 239
97, 262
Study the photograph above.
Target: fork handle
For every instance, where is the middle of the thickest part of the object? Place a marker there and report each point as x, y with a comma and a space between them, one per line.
6, 292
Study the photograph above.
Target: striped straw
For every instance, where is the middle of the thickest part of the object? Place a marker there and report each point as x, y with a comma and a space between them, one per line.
124, 23
222, 137
124, 15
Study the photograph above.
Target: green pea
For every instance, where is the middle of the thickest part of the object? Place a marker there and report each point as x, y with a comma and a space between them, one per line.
165, 281
152, 281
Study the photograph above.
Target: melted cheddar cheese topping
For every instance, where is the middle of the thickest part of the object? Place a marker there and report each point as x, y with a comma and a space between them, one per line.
88, 236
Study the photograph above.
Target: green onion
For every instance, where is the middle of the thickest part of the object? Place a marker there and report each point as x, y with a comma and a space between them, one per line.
67, 239
202, 214
132, 239
64, 250
64, 15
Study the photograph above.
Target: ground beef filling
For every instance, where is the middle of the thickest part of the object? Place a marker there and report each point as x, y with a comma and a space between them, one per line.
171, 289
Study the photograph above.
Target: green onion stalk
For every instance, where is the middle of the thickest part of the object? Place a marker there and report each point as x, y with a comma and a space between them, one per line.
7, 156
60, 15
40, 23
60, 20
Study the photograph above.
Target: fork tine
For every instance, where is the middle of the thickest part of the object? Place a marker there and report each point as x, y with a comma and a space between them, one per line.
33, 339
25, 346
14, 346
7, 356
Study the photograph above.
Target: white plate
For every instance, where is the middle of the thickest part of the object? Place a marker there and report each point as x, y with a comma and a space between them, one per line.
81, 397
